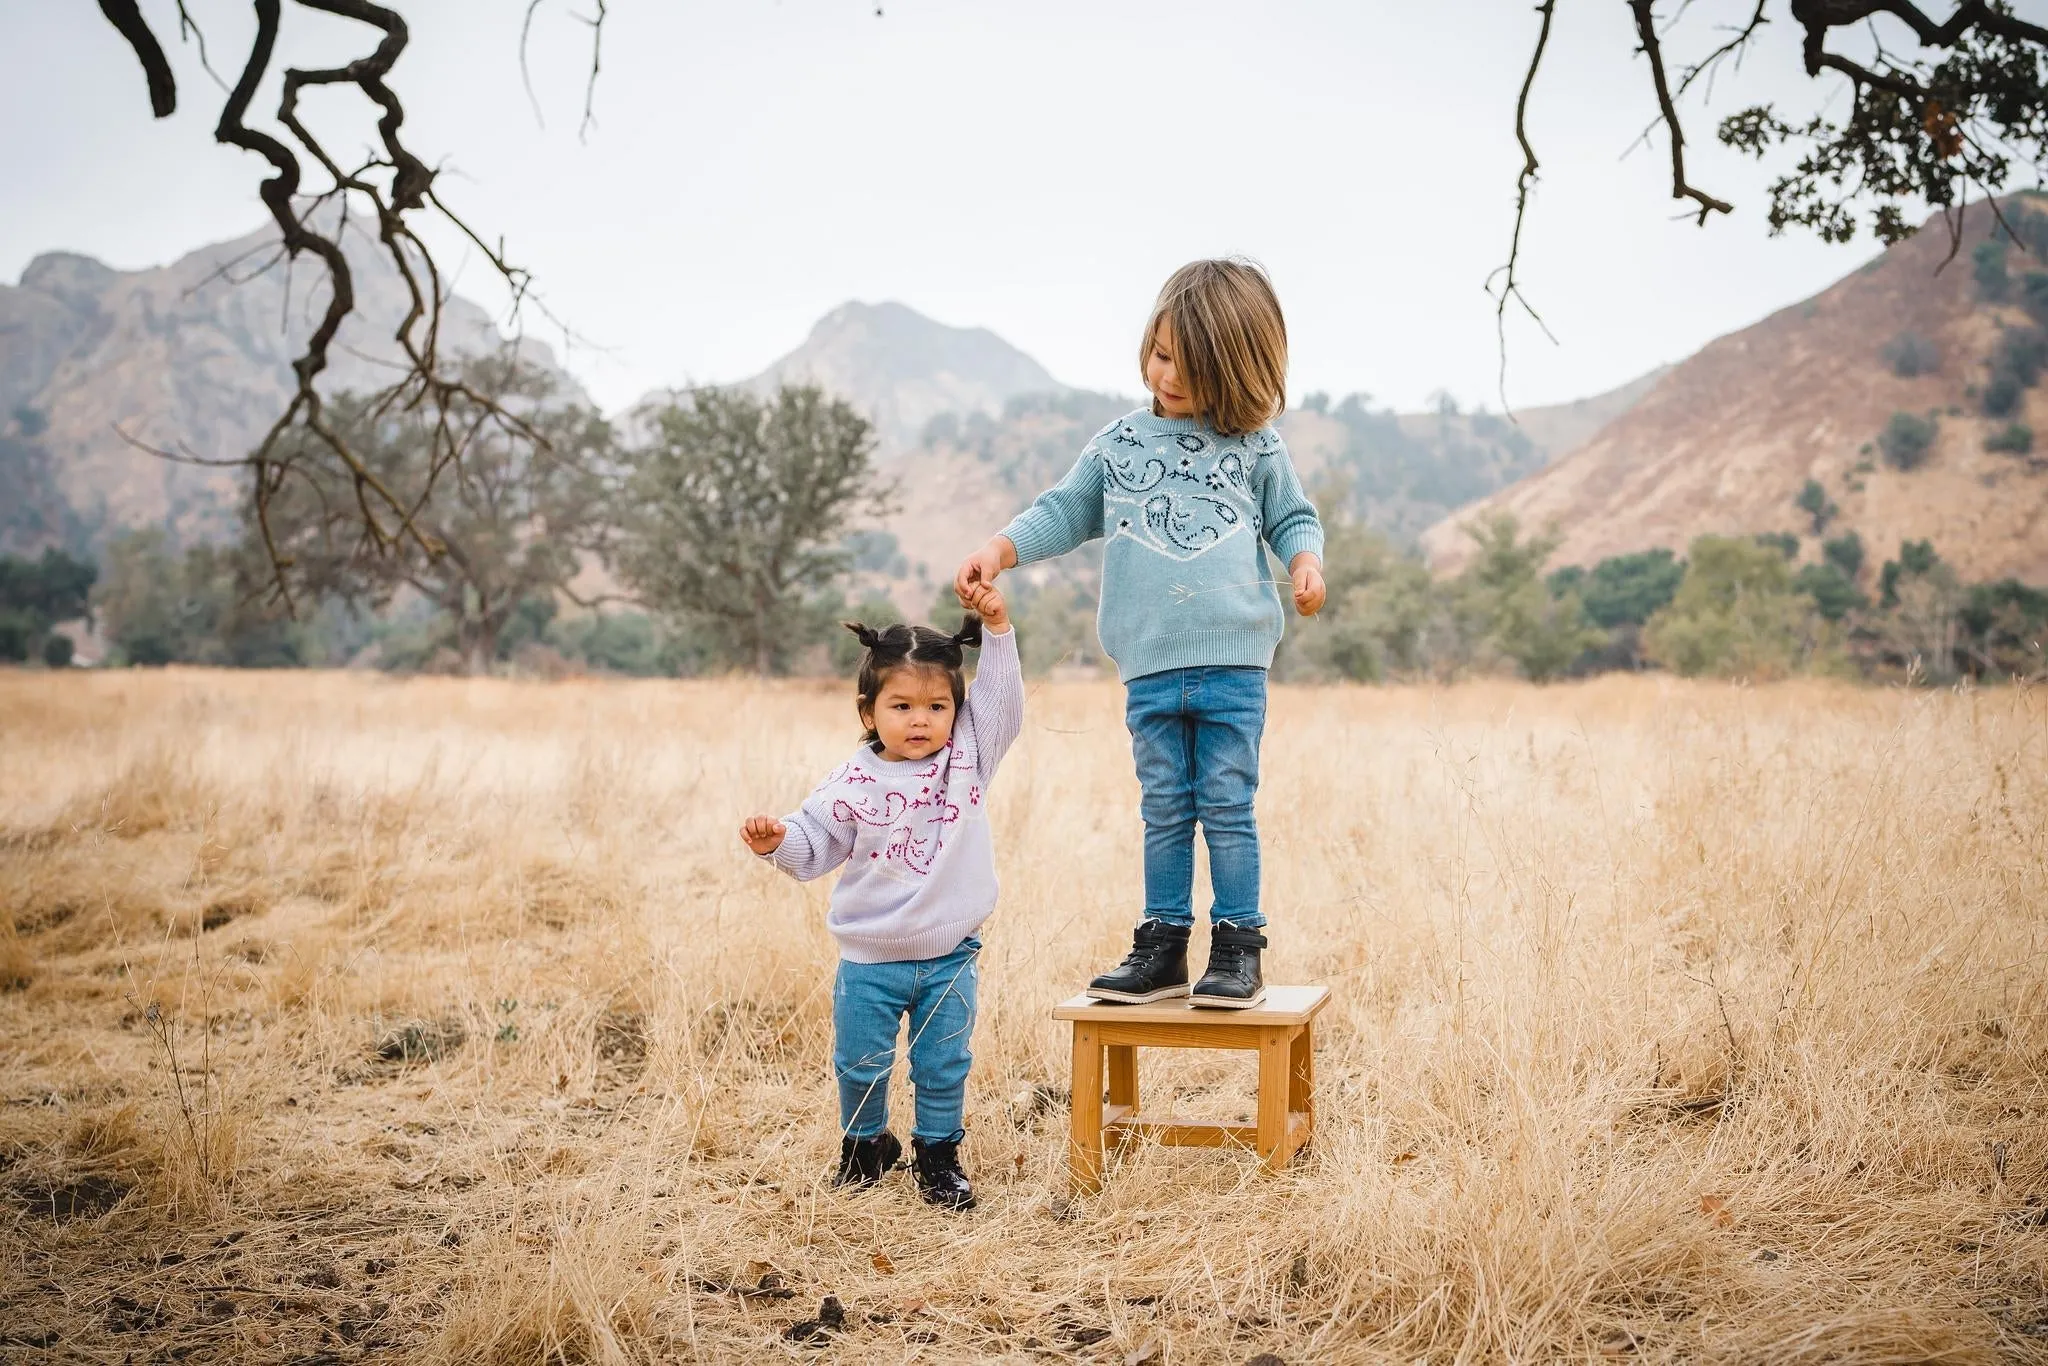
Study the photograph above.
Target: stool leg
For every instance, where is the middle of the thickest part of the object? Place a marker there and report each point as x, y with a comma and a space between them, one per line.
1301, 1081
1084, 1147
1123, 1080
1273, 1092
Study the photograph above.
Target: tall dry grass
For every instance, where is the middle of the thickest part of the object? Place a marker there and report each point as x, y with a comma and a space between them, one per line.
1671, 1022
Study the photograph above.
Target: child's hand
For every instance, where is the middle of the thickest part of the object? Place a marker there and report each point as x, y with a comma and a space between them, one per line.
982, 567
763, 834
1309, 592
988, 604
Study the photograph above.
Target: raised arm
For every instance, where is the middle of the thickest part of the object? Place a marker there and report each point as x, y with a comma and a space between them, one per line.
994, 713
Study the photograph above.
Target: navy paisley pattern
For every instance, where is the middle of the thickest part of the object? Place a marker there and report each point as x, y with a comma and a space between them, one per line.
1181, 499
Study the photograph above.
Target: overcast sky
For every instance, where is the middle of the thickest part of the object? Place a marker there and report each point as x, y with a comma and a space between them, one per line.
1033, 166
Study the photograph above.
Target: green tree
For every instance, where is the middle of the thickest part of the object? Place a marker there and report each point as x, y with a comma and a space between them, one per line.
1507, 614
735, 513
1736, 614
1917, 628
2005, 630
1377, 617
1813, 500
1845, 552
533, 495
1987, 265
37, 594
1834, 593
1906, 440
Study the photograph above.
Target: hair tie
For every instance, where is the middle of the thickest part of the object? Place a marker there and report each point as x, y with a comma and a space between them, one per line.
867, 636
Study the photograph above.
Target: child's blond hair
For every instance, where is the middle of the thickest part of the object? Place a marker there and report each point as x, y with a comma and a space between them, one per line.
1229, 342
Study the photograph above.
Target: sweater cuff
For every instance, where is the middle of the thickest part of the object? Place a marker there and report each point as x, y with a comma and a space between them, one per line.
1297, 539
1034, 539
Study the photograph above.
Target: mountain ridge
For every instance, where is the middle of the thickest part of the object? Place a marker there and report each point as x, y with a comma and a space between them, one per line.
1727, 440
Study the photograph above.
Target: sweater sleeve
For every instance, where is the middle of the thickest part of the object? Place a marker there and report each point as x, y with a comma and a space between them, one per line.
1062, 517
1291, 523
995, 704
814, 843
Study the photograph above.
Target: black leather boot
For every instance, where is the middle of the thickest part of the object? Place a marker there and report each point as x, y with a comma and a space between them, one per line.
863, 1160
1156, 967
1233, 980
939, 1177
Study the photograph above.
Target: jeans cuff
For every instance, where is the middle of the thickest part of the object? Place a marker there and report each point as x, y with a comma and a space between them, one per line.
1254, 921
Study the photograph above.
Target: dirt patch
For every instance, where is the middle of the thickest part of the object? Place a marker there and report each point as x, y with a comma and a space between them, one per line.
88, 1197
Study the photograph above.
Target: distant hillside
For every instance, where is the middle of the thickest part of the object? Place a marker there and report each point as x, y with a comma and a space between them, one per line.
1403, 472
1727, 440
902, 369
194, 356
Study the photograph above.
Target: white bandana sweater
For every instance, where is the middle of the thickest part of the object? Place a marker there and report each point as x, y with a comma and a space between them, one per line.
920, 868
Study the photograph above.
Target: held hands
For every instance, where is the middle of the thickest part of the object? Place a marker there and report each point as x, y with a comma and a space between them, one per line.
763, 834
982, 567
986, 603
1307, 574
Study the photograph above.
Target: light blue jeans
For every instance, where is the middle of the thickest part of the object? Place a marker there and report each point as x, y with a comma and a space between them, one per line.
869, 1001
1195, 734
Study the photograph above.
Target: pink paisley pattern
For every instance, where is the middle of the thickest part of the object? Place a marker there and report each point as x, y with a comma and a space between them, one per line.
889, 829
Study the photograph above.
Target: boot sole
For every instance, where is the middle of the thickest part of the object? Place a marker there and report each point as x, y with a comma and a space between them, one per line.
1226, 1002
1134, 998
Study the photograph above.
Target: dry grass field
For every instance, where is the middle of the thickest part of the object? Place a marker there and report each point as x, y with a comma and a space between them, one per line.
446, 1021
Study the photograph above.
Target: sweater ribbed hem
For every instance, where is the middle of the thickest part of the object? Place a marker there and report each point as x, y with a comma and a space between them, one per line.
934, 942
1194, 650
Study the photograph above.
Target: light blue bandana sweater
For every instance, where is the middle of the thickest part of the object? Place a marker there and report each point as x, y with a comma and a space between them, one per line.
1187, 513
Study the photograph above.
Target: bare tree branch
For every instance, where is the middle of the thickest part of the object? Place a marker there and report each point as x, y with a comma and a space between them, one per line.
1646, 33
1525, 181
156, 69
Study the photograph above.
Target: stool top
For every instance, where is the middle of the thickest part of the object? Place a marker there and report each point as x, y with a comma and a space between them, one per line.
1282, 1006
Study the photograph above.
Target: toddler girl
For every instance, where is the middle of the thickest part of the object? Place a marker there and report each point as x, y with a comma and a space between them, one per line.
1189, 494
907, 816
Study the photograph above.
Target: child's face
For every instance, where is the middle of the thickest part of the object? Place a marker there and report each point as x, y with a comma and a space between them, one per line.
1162, 377
913, 717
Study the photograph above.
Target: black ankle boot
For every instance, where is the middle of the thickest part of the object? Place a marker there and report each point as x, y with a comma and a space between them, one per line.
939, 1178
1233, 980
1156, 967
863, 1160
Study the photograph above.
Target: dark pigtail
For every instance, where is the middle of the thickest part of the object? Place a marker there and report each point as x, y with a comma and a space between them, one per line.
911, 647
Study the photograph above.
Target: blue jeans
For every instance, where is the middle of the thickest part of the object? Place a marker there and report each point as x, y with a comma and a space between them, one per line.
869, 1002
1195, 734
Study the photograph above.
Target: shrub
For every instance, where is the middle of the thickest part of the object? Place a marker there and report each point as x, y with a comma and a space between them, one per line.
2016, 439
1784, 542
2002, 395
1736, 613
1910, 354
1987, 264
2034, 294
1845, 552
1906, 440
58, 651
1813, 501
1833, 592
1622, 590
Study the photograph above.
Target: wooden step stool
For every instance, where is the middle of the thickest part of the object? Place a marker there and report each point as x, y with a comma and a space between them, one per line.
1277, 1029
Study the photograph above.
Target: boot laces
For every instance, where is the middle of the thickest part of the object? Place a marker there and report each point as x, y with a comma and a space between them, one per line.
1148, 946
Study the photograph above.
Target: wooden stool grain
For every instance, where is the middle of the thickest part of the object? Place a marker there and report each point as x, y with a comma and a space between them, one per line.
1106, 1043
